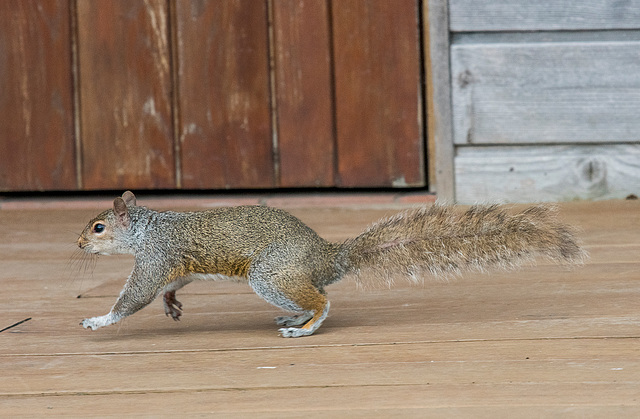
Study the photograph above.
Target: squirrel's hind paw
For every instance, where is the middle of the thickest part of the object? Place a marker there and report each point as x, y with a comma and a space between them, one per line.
297, 320
294, 332
311, 320
171, 305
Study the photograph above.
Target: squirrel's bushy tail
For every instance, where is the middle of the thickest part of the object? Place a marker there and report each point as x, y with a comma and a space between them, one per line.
441, 240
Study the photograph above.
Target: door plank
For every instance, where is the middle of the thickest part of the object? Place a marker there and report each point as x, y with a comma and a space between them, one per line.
378, 93
303, 93
125, 95
36, 126
223, 64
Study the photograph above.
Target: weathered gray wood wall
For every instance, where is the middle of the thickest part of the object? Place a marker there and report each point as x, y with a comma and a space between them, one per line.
545, 99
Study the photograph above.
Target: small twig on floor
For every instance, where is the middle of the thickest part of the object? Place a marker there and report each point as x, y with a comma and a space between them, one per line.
15, 324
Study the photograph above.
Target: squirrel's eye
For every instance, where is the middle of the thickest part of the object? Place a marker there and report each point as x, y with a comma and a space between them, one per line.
98, 228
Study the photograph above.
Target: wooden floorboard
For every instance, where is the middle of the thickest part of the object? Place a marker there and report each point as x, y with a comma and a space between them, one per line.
542, 341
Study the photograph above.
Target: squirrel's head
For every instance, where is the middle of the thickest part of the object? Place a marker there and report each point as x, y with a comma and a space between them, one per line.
107, 233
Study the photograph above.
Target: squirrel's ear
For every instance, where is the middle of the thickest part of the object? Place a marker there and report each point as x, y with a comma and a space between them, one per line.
120, 210
129, 198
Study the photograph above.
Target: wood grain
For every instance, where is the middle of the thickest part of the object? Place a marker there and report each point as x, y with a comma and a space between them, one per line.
224, 97
125, 86
545, 91
36, 106
547, 173
378, 93
304, 93
524, 15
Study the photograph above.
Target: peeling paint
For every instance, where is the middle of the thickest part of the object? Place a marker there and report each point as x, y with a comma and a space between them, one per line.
149, 108
400, 182
24, 78
188, 130
158, 20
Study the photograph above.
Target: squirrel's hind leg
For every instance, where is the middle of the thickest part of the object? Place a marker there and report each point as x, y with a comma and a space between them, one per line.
292, 293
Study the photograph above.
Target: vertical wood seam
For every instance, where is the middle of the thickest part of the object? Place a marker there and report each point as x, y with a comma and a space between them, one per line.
172, 33
428, 94
271, 48
75, 81
332, 83
422, 95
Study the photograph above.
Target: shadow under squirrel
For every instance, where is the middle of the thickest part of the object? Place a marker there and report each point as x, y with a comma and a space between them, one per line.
288, 264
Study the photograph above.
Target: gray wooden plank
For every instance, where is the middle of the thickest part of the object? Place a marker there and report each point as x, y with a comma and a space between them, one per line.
545, 92
508, 15
547, 173
440, 98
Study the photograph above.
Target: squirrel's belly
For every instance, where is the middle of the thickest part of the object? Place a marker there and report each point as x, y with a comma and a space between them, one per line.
210, 265
215, 277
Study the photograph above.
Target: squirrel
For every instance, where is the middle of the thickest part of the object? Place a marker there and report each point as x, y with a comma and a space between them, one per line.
289, 265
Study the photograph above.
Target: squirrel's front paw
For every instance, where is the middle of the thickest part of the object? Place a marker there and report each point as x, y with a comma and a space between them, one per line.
97, 322
89, 324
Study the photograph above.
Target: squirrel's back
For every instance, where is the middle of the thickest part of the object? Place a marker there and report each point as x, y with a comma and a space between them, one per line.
227, 240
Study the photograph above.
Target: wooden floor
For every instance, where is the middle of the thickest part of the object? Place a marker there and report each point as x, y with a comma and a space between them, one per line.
544, 341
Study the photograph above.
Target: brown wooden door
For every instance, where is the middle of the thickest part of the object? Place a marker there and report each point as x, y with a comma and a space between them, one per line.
164, 94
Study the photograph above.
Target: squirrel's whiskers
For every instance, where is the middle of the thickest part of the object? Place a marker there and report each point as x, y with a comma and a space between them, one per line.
79, 265
81, 262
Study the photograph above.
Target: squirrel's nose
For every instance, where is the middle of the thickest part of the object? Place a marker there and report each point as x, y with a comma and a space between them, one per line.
80, 242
